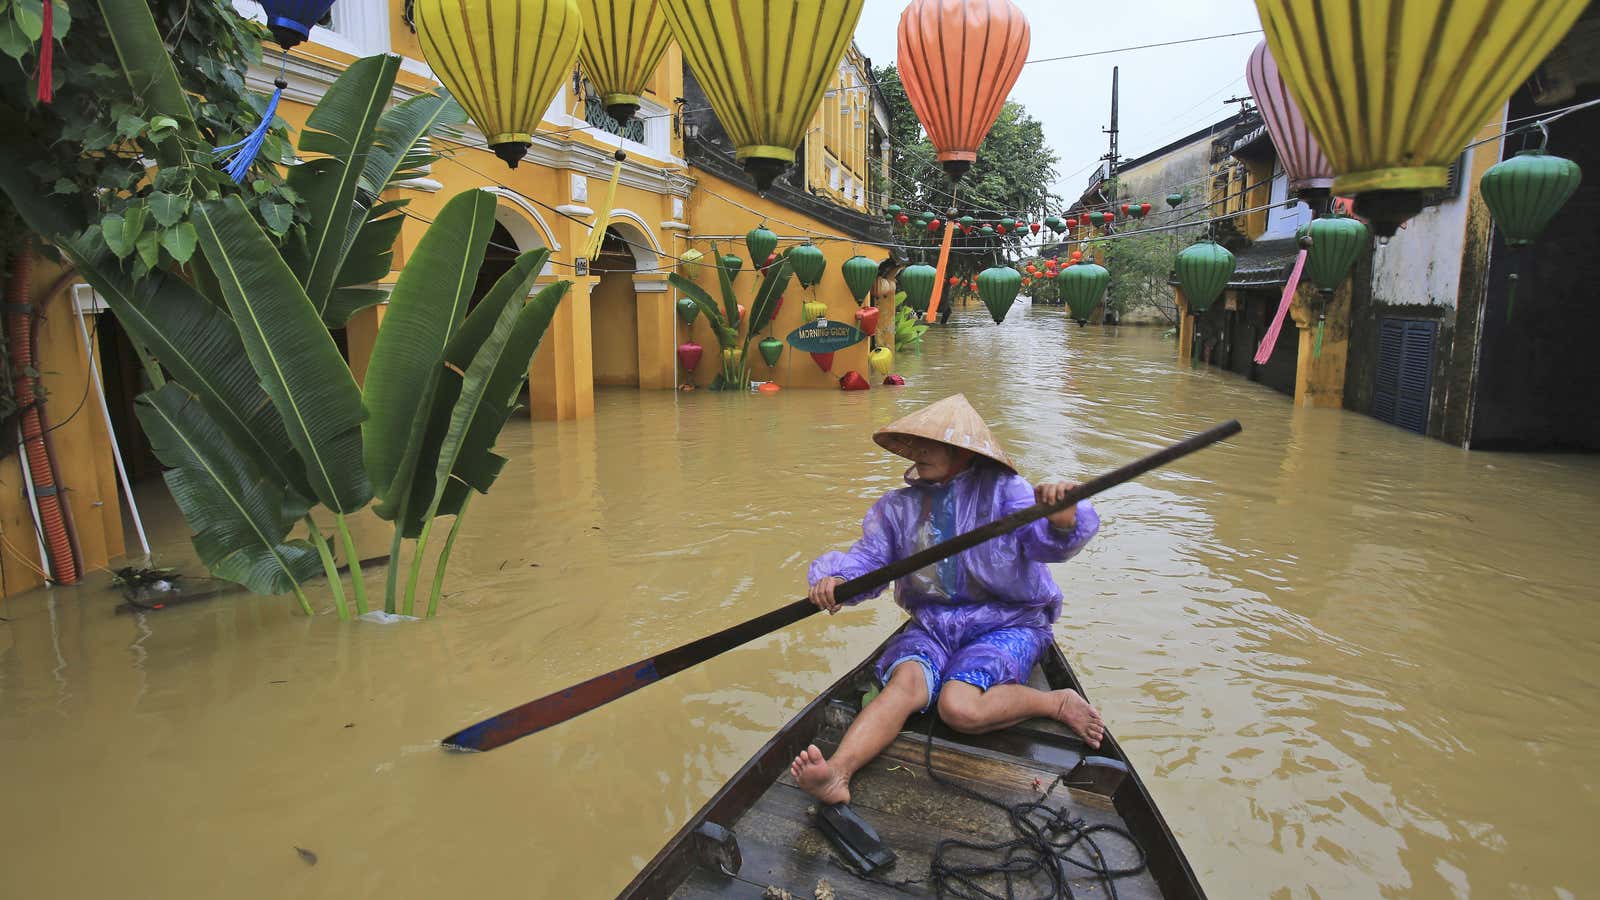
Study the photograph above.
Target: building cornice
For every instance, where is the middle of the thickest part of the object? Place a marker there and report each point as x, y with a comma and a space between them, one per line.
308, 79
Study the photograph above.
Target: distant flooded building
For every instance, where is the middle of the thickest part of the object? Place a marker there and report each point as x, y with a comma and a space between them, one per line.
1423, 334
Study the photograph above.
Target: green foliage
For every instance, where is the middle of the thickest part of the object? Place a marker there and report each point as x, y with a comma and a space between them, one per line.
1140, 266
241, 517
293, 354
87, 149
908, 327
425, 307
770, 285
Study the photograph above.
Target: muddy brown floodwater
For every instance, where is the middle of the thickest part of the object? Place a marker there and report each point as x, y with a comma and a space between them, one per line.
1348, 661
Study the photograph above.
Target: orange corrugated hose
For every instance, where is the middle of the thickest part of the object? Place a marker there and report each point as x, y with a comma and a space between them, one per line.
19, 336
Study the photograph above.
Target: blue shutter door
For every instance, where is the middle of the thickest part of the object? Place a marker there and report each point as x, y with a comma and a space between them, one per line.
1405, 372
1386, 394
1416, 376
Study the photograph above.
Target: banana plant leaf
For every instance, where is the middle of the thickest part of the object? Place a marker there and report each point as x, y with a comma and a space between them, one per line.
486, 364
395, 151
772, 287
725, 275
338, 135
240, 515
293, 354
425, 309
370, 259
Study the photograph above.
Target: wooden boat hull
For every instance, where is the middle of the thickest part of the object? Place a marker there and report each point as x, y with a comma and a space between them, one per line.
768, 817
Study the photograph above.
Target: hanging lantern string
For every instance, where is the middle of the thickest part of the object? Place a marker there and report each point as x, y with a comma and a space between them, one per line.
866, 83
812, 234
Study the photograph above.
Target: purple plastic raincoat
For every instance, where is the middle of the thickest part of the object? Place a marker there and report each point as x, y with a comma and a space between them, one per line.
982, 616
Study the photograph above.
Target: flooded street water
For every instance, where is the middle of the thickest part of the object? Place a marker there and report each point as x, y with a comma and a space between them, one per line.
1348, 661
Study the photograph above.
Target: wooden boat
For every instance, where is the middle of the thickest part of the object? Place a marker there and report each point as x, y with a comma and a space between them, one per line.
756, 837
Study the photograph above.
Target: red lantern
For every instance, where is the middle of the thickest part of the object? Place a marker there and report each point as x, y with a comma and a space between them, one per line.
1110, 217
999, 229
824, 361
1032, 268
954, 281
852, 381
689, 355
935, 225
867, 319
1051, 274
1144, 210
1033, 227
1077, 255
1072, 223
1124, 209
902, 218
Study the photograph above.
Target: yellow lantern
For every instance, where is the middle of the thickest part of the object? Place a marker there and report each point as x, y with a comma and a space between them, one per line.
1394, 89
764, 65
623, 42
502, 60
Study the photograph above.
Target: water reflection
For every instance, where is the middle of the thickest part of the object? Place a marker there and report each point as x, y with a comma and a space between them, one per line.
1348, 661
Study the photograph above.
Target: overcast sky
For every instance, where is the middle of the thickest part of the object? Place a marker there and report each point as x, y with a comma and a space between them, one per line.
1166, 92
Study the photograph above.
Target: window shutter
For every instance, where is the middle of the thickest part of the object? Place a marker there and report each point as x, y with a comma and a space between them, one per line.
1405, 372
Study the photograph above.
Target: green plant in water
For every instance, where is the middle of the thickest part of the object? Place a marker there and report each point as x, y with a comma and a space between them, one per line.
908, 326
255, 413
725, 321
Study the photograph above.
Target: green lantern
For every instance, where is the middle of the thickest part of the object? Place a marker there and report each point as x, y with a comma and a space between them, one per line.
1055, 224
997, 288
1083, 286
892, 210
761, 243
1204, 270
1009, 223
968, 221
771, 348
808, 263
1173, 200
1526, 191
917, 282
859, 274
987, 229
733, 264
925, 216
1335, 244
687, 311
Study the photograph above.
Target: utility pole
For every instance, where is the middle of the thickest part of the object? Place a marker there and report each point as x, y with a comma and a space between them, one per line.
1111, 157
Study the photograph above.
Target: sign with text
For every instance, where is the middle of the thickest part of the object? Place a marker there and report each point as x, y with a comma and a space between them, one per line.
825, 336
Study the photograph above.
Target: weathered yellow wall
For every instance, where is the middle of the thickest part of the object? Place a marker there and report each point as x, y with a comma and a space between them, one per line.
86, 472
614, 326
1319, 377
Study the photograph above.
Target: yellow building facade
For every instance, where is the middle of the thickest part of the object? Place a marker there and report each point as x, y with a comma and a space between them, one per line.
616, 329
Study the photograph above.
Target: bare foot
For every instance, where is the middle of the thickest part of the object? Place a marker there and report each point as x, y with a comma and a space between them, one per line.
1078, 715
817, 777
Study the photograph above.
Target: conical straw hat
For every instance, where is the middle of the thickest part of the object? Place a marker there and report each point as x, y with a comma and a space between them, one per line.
951, 421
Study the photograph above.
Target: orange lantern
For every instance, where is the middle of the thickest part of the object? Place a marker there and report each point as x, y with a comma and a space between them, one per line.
958, 60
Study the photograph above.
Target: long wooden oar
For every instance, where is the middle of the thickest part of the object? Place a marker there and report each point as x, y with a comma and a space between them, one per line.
537, 715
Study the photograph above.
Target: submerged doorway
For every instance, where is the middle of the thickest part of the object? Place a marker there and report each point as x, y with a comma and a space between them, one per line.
614, 315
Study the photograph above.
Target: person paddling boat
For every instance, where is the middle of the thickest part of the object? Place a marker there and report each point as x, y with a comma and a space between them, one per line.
980, 619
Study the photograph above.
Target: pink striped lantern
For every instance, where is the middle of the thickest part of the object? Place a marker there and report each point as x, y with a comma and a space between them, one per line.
1310, 173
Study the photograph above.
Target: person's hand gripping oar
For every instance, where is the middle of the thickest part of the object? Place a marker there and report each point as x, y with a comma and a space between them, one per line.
558, 707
